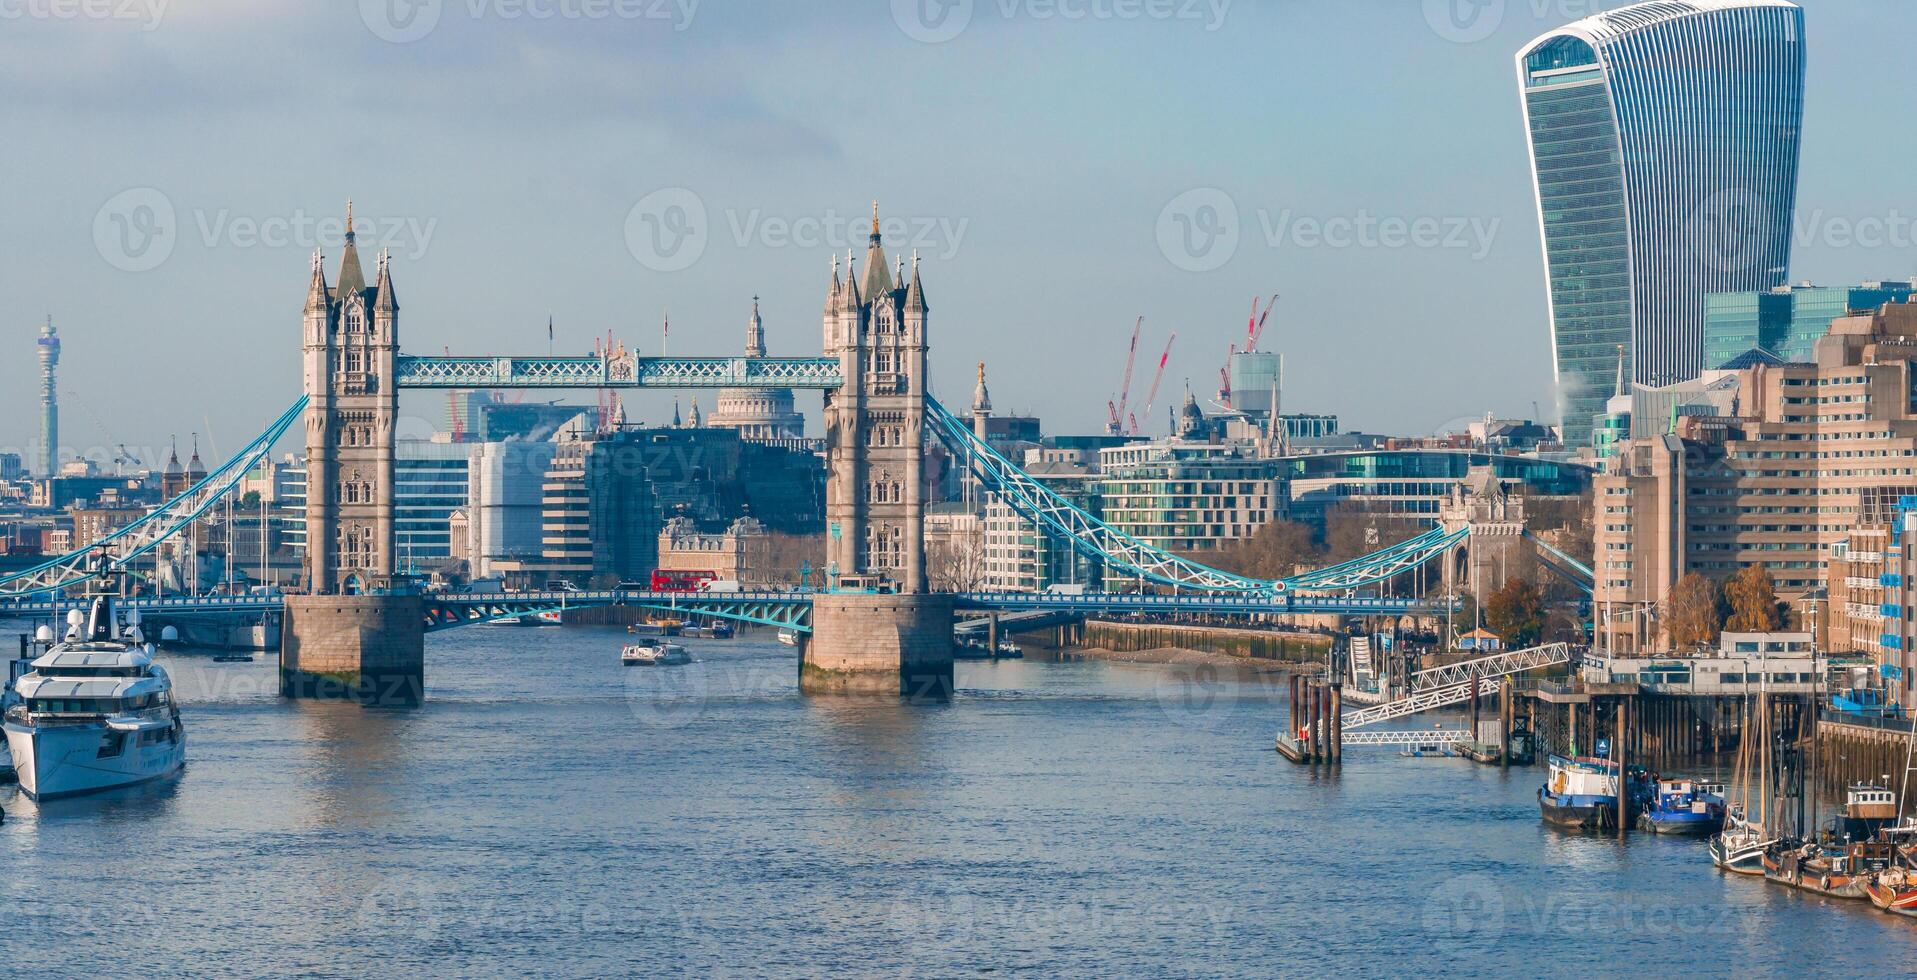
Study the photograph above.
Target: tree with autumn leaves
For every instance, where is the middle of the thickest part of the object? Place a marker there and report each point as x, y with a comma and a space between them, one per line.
1516, 613
1693, 612
1753, 602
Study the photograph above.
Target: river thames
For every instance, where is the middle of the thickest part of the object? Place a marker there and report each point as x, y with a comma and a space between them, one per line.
550, 812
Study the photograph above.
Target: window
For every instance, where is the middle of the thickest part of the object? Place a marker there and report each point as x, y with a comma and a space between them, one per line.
111, 746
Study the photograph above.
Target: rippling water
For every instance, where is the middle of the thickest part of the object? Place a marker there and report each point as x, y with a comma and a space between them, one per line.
549, 811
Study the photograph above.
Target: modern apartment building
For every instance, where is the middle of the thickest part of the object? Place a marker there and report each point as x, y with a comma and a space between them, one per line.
1808, 458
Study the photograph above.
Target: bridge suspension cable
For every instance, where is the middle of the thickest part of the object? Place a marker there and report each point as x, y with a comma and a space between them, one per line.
1052, 513
121, 547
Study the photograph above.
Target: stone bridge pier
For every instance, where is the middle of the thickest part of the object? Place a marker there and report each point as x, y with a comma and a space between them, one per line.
878, 629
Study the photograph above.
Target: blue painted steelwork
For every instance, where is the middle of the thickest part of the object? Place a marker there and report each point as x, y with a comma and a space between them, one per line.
1573, 571
118, 550
785, 610
1220, 603
1056, 515
620, 371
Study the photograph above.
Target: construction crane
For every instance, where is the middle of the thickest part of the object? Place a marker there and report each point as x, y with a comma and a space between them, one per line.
1151, 396
455, 418
1254, 327
1115, 410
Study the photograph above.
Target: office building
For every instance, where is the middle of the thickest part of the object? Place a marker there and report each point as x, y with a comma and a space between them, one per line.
1663, 140
1786, 321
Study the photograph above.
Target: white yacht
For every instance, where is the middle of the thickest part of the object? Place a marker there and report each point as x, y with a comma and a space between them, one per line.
93, 712
654, 653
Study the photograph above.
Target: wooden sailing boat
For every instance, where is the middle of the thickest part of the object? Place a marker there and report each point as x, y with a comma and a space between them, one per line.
1894, 889
1741, 845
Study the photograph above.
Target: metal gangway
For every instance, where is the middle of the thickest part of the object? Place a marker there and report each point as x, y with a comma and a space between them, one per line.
1442, 687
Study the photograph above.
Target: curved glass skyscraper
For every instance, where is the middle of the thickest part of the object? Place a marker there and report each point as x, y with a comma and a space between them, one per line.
1663, 141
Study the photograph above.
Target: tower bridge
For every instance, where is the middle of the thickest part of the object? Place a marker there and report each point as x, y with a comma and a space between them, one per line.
358, 629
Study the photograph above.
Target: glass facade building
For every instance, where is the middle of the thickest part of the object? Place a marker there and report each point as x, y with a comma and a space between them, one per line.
1785, 321
1664, 147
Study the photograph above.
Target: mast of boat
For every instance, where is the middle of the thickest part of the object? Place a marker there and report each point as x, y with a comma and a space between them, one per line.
1740, 794
1763, 720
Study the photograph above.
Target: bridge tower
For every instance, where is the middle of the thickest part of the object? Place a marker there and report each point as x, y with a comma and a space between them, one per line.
879, 629
358, 632
1494, 549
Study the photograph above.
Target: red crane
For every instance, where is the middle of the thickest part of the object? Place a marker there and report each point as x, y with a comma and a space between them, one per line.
1151, 397
455, 417
1254, 327
1115, 411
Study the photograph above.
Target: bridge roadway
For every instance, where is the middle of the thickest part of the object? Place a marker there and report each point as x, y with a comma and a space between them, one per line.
784, 609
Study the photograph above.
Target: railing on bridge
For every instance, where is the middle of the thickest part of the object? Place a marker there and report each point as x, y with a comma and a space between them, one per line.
620, 371
116, 551
1128, 556
784, 610
1444, 686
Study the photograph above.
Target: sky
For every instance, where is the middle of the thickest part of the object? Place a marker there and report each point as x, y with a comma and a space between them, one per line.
1062, 167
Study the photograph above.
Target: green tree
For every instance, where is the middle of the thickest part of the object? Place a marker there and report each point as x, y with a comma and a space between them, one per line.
1753, 601
1516, 613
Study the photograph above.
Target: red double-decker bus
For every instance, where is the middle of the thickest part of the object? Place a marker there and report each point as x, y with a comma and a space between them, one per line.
676, 581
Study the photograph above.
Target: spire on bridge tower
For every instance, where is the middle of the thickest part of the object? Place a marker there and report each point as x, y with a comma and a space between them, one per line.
915, 293
386, 302
755, 332
351, 278
849, 299
878, 279
317, 295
